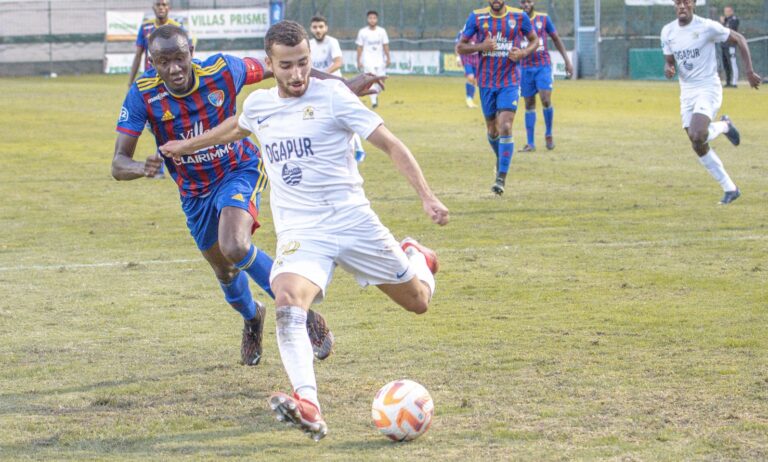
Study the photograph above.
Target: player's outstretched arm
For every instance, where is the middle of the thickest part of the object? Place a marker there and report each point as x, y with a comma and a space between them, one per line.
123, 165
669, 66
406, 164
226, 132
754, 78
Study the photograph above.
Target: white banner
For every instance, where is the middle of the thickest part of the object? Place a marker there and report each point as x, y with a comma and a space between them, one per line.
558, 64
123, 25
657, 2
228, 24
403, 62
120, 63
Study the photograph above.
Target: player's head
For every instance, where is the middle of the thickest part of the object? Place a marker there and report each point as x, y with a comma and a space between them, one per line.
161, 9
728, 11
172, 58
288, 57
373, 18
496, 5
684, 10
527, 6
319, 27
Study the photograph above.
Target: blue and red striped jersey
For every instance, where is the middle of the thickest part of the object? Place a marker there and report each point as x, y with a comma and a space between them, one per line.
212, 100
496, 70
543, 27
142, 38
470, 59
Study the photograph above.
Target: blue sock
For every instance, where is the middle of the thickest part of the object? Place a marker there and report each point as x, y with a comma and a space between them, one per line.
549, 113
506, 148
238, 295
530, 126
258, 266
495, 146
470, 90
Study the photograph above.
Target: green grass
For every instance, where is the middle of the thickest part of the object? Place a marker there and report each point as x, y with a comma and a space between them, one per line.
604, 309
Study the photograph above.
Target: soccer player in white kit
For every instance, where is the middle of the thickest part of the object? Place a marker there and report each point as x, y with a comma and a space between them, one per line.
689, 42
322, 217
373, 50
327, 57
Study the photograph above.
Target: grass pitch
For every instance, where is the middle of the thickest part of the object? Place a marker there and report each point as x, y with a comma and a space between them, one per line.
604, 309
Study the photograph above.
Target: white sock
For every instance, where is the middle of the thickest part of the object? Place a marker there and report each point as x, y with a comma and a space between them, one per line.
296, 351
374, 99
716, 129
357, 142
716, 169
419, 262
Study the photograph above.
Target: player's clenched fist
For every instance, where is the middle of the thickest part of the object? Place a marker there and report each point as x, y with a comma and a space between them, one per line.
152, 165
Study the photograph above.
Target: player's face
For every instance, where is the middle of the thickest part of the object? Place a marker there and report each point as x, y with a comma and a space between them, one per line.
527, 6
684, 10
373, 20
161, 9
319, 29
291, 67
496, 5
173, 61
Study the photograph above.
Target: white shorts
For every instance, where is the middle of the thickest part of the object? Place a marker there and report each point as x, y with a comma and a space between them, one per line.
375, 70
368, 251
706, 101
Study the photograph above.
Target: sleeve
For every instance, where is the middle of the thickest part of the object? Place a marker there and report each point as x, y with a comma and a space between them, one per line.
359, 41
141, 41
665, 48
550, 27
351, 113
245, 71
470, 27
133, 114
335, 49
384, 37
717, 31
244, 121
525, 24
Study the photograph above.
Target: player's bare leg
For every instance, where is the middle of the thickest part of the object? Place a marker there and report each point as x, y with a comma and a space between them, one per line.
700, 131
415, 294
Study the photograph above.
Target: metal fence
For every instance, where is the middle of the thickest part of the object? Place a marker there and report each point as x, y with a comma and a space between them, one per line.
40, 36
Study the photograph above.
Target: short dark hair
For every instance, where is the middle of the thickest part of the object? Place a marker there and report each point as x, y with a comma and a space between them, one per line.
168, 31
318, 18
372, 12
286, 32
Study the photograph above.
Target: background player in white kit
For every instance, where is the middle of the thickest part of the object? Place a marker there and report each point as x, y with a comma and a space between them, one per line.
689, 42
327, 57
322, 217
373, 50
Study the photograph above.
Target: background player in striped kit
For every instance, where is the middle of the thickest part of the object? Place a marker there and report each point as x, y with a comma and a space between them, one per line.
500, 27
327, 57
537, 75
469, 63
219, 185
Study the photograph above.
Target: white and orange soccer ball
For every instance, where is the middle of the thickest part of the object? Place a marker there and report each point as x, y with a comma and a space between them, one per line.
402, 410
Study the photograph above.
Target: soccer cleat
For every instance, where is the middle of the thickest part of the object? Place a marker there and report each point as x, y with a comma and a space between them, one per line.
319, 335
730, 196
250, 348
498, 187
429, 254
732, 134
550, 142
298, 412
528, 148
470, 103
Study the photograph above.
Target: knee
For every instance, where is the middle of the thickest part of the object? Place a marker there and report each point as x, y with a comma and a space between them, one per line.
418, 306
234, 250
698, 137
505, 129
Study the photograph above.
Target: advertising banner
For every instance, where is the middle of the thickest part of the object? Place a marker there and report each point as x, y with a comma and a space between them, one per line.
123, 25
403, 62
228, 24
657, 2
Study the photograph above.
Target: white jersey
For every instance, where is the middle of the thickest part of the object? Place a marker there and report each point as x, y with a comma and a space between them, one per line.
372, 41
305, 145
693, 47
323, 53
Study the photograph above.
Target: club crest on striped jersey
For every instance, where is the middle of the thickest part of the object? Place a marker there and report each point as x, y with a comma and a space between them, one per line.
512, 23
216, 98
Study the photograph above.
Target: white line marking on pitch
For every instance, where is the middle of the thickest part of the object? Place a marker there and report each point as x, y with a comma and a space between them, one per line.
105, 264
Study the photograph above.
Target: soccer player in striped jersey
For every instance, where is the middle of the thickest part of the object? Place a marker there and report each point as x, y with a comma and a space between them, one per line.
469, 63
500, 27
220, 185
537, 75
162, 10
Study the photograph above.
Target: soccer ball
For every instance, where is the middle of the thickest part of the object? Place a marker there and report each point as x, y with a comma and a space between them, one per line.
402, 410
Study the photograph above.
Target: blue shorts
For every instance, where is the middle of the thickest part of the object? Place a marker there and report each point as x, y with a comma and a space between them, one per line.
535, 79
469, 70
239, 188
495, 100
